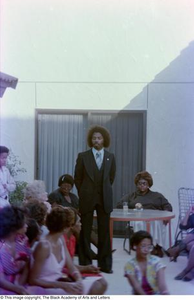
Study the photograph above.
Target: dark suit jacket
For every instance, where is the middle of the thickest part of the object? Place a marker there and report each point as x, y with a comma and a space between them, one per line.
84, 181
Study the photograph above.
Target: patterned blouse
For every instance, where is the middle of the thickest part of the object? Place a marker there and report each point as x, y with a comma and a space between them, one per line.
154, 264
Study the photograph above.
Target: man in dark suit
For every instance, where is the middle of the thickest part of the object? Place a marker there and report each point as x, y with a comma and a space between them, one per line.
94, 175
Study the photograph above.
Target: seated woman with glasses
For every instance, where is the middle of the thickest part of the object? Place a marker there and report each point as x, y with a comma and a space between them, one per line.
144, 198
145, 272
143, 195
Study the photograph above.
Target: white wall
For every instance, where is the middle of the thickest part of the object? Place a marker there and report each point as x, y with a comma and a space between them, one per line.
102, 54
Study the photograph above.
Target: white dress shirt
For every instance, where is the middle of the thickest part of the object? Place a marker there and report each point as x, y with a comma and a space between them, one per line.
100, 151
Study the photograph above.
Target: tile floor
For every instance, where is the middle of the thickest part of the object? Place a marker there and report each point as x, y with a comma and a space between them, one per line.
118, 285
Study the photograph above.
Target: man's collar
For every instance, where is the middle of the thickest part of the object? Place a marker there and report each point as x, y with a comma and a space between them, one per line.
95, 151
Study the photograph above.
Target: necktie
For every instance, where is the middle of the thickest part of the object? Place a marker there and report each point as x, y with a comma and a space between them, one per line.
98, 160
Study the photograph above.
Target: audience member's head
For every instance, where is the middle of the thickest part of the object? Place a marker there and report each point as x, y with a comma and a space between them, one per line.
36, 210
65, 183
12, 220
33, 231
4, 152
59, 219
138, 237
66, 178
75, 215
143, 178
4, 149
76, 225
37, 191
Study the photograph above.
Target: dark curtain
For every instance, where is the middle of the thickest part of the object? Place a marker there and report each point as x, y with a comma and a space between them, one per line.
62, 136
127, 143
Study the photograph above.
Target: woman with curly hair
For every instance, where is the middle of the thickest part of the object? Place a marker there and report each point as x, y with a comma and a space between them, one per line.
94, 175
38, 211
15, 253
36, 190
51, 255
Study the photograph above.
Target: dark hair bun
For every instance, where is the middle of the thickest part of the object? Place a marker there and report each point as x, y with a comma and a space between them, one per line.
66, 178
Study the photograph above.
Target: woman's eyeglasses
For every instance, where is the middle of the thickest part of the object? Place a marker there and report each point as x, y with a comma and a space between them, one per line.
149, 248
142, 183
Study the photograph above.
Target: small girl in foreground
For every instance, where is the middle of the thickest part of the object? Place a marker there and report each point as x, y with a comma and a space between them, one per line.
145, 272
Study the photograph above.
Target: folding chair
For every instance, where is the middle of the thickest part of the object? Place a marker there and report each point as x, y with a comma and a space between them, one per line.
186, 200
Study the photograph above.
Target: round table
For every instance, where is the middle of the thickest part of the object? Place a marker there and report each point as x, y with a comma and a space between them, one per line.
146, 215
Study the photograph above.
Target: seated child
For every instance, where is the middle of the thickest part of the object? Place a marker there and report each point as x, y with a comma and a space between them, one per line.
145, 272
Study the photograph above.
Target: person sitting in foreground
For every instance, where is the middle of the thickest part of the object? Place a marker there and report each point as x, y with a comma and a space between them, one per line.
145, 272
71, 244
15, 253
33, 232
51, 255
147, 199
187, 244
37, 210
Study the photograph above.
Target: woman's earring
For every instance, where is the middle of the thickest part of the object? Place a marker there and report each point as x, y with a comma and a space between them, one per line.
134, 247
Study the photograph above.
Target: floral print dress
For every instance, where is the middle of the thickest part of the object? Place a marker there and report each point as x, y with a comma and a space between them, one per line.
154, 264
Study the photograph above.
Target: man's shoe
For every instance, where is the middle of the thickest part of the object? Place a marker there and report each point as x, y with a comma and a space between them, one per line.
186, 278
179, 276
106, 271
